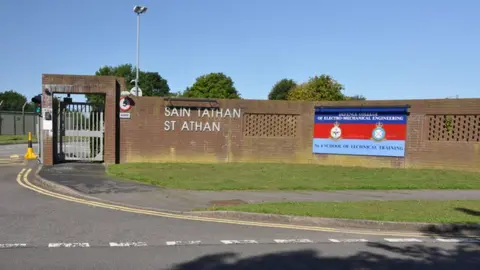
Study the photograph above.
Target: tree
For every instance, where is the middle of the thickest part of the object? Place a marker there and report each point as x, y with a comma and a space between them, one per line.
151, 83
357, 97
281, 89
213, 85
176, 94
14, 101
318, 88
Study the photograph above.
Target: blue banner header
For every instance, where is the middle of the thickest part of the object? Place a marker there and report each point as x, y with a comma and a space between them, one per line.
361, 115
379, 110
360, 118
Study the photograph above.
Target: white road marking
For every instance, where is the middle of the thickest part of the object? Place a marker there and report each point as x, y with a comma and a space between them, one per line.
230, 242
13, 245
353, 240
55, 245
128, 244
183, 243
292, 241
458, 240
356, 240
334, 240
402, 240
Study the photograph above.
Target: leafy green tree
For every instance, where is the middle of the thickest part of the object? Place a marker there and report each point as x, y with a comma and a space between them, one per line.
318, 88
356, 97
281, 89
176, 94
151, 83
14, 101
213, 85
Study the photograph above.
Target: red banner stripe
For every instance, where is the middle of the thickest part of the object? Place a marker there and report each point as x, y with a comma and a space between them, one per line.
361, 131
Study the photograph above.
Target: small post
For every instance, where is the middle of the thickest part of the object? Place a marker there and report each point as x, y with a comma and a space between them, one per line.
30, 154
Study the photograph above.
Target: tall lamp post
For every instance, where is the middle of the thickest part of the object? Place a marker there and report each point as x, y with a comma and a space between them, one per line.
139, 10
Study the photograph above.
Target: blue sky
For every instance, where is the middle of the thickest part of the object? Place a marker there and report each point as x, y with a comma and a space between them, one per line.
382, 49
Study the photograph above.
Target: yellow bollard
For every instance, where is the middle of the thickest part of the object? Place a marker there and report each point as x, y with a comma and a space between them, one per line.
30, 154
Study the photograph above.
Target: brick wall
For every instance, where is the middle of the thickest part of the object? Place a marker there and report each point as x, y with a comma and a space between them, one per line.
281, 131
75, 84
262, 131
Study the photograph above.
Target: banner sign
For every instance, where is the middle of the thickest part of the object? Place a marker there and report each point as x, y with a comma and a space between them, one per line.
367, 131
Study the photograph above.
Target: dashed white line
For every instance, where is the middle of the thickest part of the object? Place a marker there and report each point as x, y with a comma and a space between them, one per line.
68, 245
183, 243
13, 245
128, 244
292, 241
458, 240
230, 242
402, 240
348, 240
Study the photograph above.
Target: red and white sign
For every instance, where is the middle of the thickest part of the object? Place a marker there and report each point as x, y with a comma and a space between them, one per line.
125, 104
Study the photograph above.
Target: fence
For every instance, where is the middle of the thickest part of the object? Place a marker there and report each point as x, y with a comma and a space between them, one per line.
18, 123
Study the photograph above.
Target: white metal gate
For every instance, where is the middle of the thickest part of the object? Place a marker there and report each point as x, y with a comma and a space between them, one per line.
80, 129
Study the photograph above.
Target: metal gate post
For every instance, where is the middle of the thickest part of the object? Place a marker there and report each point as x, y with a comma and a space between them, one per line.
40, 139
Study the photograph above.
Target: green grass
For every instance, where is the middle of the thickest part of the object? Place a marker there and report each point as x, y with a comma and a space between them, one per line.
413, 211
256, 176
13, 139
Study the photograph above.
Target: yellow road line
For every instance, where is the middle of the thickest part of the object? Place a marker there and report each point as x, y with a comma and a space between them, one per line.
27, 184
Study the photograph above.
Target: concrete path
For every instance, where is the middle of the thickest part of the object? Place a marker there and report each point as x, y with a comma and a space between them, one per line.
92, 180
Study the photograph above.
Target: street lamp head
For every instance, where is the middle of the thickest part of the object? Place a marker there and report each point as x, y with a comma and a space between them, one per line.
124, 93
139, 9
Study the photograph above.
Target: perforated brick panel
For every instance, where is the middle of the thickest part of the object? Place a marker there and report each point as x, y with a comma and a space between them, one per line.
454, 128
270, 125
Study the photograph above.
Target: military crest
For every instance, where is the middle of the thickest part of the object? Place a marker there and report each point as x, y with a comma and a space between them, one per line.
378, 133
336, 132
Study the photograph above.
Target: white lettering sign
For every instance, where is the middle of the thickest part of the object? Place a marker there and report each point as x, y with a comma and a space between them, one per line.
206, 115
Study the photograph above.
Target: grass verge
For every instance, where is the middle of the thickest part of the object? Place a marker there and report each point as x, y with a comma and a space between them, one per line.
412, 211
14, 139
255, 176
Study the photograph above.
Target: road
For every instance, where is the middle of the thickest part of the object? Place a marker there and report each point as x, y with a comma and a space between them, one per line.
8, 150
80, 149
286, 257
42, 232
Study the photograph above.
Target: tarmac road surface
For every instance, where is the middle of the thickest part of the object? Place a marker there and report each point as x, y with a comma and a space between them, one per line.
7, 150
42, 232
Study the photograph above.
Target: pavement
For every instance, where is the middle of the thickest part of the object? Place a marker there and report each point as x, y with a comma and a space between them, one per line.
40, 229
92, 180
